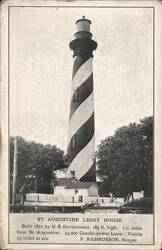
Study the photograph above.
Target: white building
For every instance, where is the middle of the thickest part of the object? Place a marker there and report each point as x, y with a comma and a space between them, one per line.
72, 190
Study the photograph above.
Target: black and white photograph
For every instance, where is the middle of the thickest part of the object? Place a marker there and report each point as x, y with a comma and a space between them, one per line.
81, 124
86, 142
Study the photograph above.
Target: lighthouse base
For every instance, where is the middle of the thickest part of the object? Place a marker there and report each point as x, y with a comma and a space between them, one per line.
90, 175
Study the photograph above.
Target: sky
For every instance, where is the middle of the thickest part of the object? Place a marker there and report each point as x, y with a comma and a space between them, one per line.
41, 70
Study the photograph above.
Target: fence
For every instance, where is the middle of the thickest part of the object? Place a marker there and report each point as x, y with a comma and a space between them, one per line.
34, 197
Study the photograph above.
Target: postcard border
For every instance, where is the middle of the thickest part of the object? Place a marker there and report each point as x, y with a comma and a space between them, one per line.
153, 81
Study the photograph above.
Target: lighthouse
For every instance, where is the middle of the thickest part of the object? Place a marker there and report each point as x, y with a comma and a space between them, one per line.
81, 140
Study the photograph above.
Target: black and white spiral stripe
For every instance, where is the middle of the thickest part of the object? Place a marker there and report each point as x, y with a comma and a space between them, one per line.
81, 121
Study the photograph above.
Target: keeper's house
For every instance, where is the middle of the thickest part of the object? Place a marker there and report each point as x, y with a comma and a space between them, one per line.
72, 190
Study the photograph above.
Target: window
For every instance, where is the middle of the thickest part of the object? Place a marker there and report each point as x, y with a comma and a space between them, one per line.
73, 142
72, 174
76, 95
80, 198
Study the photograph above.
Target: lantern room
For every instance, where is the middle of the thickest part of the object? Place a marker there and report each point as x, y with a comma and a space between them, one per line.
83, 28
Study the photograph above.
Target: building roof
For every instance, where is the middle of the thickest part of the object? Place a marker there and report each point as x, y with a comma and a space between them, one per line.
65, 181
81, 185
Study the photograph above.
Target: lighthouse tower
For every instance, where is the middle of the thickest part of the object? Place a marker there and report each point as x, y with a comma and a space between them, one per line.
81, 143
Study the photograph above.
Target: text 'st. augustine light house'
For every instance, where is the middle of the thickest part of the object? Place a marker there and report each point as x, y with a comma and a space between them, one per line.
81, 144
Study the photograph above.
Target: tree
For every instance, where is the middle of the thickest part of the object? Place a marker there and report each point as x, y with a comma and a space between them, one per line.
35, 164
124, 161
147, 152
